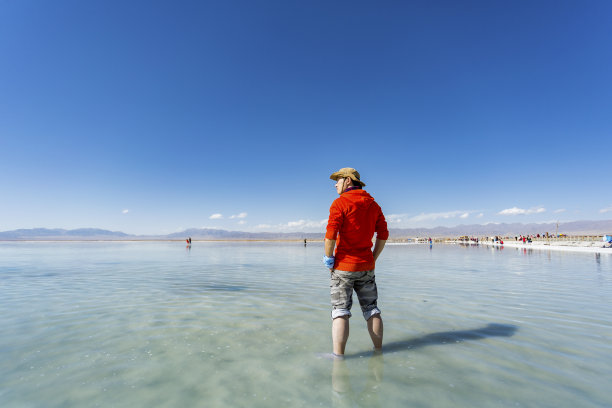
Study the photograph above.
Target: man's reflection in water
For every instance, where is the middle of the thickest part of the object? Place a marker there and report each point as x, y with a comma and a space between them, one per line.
345, 396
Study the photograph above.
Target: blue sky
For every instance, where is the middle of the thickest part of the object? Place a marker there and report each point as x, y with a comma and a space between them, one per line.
157, 116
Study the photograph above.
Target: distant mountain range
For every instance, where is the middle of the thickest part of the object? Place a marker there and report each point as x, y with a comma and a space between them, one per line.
94, 234
62, 234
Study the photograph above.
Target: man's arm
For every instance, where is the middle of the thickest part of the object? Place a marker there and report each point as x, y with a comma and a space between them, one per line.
330, 244
378, 247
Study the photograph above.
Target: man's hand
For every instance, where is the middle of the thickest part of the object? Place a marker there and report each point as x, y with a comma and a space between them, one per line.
330, 244
329, 261
378, 247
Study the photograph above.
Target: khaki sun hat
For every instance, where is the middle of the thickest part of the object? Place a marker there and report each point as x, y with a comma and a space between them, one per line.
347, 172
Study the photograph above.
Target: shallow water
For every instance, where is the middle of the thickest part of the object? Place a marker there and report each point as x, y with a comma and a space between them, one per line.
243, 324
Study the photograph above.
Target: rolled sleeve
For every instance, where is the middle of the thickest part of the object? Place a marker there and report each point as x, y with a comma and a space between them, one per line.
331, 234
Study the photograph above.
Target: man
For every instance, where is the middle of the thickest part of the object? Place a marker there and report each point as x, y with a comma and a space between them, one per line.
354, 217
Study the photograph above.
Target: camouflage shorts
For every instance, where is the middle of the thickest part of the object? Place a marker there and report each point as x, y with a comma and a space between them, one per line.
342, 285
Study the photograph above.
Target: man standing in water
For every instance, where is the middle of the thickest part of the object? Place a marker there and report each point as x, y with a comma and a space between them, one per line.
354, 217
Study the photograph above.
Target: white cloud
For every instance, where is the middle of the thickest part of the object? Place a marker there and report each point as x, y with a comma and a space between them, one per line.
522, 211
241, 215
305, 224
394, 218
241, 222
294, 226
216, 216
437, 216
125, 211
512, 211
560, 210
426, 218
605, 210
480, 215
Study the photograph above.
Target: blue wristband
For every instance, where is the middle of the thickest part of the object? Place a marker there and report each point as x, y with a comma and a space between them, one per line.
329, 261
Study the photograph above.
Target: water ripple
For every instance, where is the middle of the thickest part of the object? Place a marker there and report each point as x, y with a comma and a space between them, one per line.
133, 324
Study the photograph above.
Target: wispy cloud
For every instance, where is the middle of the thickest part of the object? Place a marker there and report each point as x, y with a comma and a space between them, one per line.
605, 210
427, 217
216, 216
560, 210
125, 211
294, 225
522, 211
436, 216
394, 218
241, 215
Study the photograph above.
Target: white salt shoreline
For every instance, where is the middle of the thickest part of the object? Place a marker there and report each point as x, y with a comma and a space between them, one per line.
586, 246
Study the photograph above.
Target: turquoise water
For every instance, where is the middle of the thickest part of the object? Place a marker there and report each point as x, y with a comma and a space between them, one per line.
243, 324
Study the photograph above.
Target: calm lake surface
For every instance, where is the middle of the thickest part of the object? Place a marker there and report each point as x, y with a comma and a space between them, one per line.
243, 324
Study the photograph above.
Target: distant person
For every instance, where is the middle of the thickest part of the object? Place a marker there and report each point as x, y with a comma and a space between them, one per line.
354, 217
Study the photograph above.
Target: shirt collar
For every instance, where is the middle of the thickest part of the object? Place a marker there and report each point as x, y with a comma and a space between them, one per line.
350, 189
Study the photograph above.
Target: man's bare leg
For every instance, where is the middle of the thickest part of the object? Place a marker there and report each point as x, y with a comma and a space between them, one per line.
340, 333
375, 328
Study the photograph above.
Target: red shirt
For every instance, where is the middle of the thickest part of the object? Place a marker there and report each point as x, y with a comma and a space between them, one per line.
354, 217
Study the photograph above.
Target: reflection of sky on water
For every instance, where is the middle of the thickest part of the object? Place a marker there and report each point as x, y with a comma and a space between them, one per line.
241, 324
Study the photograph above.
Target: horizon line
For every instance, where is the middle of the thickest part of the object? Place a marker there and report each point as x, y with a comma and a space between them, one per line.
290, 232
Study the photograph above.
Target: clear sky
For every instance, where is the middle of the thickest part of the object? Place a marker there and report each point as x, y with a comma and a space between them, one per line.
156, 116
